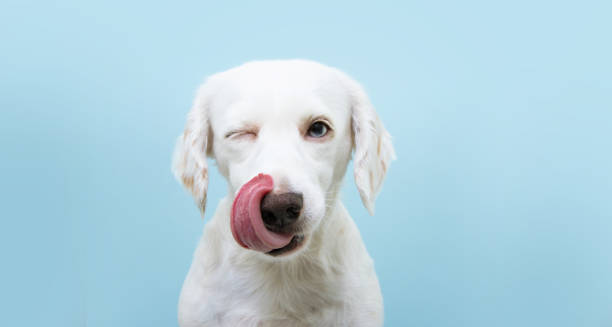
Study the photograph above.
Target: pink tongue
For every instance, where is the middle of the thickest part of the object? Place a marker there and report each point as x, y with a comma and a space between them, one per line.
247, 226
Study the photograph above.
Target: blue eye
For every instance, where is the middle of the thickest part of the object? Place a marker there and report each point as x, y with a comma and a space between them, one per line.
318, 129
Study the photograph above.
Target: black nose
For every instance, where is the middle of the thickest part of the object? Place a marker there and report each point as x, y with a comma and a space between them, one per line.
279, 211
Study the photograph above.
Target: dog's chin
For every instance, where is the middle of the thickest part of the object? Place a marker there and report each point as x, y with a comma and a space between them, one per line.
297, 242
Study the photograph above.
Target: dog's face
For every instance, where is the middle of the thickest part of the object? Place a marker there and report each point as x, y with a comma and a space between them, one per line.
285, 127
295, 121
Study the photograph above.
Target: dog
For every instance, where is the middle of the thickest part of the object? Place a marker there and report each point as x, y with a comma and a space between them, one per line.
281, 249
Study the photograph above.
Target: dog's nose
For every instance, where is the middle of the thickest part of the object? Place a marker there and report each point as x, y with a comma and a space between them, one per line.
280, 210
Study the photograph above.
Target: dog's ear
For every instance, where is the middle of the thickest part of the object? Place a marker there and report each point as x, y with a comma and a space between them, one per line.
373, 151
189, 161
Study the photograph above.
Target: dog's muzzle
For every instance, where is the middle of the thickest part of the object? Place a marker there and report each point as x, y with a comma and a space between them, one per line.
260, 220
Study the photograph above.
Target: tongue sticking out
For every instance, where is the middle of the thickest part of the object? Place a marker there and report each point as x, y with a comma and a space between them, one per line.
247, 226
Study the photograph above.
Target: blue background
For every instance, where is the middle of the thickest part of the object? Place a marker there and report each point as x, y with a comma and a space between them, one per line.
498, 211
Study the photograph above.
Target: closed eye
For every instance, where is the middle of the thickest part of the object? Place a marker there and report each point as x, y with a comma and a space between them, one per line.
241, 133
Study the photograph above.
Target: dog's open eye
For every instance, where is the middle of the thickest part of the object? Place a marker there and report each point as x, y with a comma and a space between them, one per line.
318, 129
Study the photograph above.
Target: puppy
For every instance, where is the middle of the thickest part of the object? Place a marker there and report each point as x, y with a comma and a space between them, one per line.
281, 250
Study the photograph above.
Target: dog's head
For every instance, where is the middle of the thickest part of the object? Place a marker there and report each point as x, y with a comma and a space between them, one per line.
282, 134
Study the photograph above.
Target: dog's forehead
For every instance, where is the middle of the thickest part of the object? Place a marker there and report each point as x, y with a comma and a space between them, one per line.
261, 75
276, 87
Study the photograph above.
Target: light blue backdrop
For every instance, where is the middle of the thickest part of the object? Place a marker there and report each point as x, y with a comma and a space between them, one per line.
498, 211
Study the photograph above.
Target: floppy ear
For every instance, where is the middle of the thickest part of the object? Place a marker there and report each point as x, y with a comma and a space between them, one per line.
373, 151
189, 161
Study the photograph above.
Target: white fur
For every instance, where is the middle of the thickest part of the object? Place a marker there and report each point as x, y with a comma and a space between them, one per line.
330, 280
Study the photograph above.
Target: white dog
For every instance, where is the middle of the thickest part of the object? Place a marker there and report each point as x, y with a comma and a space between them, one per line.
281, 250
